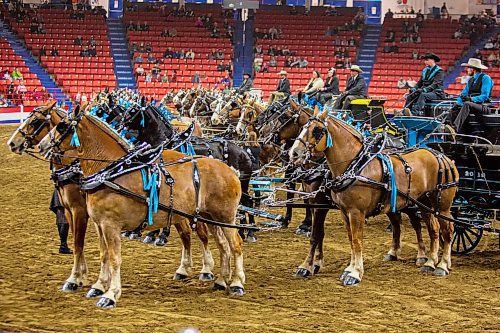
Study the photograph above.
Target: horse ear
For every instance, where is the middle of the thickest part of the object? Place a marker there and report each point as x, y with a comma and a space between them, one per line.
78, 112
323, 115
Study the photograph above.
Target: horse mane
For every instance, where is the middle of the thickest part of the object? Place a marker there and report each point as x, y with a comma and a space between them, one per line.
110, 131
348, 127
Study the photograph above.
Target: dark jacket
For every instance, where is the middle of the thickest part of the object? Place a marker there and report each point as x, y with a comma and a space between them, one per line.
356, 86
246, 85
284, 86
332, 85
431, 80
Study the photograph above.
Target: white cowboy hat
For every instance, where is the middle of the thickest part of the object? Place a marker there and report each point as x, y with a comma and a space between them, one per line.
283, 73
356, 68
332, 69
474, 63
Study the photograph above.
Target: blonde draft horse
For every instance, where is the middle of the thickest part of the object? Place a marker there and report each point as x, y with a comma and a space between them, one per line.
248, 115
360, 199
230, 110
28, 135
112, 212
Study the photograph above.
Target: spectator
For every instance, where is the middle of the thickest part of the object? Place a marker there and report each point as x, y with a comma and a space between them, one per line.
294, 11
144, 27
164, 78
84, 99
92, 41
139, 71
168, 54
78, 97
285, 51
92, 51
6, 75
389, 14
148, 77
172, 32
215, 33
151, 59
402, 84
132, 27
273, 62
301, 63
138, 59
43, 51
16, 74
78, 40
258, 50
219, 55
458, 34
21, 89
134, 47
406, 26
478, 55
272, 51
182, 54
415, 55
314, 85
417, 39
444, 11
489, 44
221, 67
212, 55
198, 23
196, 78
404, 39
387, 48
394, 48
390, 36
85, 52
492, 60
352, 41
174, 76
337, 41
54, 52
411, 83
464, 79
148, 48
190, 54
273, 33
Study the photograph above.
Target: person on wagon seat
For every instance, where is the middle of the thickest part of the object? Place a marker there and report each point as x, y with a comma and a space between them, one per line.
246, 85
355, 89
314, 85
428, 88
331, 87
476, 93
282, 90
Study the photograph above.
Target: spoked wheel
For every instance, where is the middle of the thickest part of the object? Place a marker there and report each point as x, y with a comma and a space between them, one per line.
465, 239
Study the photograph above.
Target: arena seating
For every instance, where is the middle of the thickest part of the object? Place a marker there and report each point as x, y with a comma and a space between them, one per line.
72, 72
8, 61
390, 67
307, 39
188, 37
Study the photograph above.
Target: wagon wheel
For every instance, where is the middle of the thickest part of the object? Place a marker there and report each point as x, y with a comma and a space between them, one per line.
465, 239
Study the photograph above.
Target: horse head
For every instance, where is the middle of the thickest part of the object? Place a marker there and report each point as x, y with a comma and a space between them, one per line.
32, 129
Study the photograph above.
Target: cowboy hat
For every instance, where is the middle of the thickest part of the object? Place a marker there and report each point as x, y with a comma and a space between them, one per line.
283, 73
430, 55
475, 63
331, 69
247, 74
356, 68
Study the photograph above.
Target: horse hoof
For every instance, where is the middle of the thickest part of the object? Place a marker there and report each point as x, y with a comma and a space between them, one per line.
420, 262
427, 269
126, 234
148, 240
285, 222
161, 242
134, 236
207, 277
236, 291
390, 257
302, 273
218, 287
70, 287
251, 239
106, 303
343, 275
93, 292
440, 272
350, 281
180, 277
316, 269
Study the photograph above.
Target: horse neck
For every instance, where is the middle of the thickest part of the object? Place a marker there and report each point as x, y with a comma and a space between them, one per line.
345, 148
61, 161
96, 147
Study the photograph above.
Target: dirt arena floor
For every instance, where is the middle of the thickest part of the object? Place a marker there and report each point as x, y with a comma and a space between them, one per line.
393, 297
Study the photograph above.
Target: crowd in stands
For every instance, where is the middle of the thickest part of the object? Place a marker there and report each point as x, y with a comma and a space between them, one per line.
14, 90
474, 27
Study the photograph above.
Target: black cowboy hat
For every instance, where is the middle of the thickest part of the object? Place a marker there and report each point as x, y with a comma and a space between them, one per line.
430, 55
247, 74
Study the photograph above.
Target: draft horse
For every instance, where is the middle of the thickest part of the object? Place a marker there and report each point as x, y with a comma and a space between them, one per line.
360, 187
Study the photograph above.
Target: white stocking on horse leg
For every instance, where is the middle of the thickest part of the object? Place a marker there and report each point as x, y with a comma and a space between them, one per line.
186, 259
102, 282
112, 238
235, 244
225, 258
206, 273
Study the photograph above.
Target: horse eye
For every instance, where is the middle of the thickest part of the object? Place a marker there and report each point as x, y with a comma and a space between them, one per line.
61, 127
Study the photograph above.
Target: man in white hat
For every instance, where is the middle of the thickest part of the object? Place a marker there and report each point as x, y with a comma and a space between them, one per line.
476, 93
283, 88
355, 89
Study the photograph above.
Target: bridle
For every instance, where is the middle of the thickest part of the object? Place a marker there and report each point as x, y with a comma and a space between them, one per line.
38, 123
64, 129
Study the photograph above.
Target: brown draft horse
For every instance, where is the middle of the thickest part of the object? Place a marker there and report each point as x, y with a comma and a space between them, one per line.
295, 118
29, 134
217, 199
361, 199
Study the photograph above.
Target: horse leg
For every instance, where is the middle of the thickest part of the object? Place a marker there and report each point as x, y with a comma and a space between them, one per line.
235, 244
77, 219
305, 227
247, 201
151, 237
395, 249
111, 235
184, 231
207, 259
320, 216
98, 288
349, 268
447, 228
433, 229
225, 258
162, 239
415, 223
356, 223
